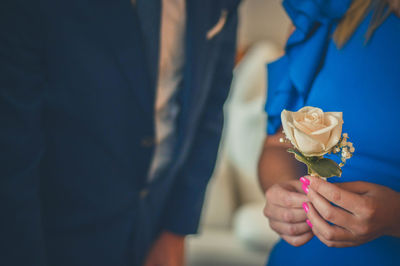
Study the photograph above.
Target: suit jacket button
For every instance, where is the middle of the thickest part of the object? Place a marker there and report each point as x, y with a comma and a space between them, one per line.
143, 193
147, 142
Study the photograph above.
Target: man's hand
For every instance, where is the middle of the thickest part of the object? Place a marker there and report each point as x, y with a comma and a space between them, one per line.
168, 250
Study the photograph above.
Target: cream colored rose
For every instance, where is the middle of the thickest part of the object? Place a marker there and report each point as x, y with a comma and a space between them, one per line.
312, 131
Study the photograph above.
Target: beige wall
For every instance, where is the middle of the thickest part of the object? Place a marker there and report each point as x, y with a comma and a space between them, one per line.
262, 20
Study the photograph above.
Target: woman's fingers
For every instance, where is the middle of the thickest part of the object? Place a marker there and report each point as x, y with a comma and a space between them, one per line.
289, 229
294, 186
282, 196
287, 215
329, 212
335, 194
298, 240
336, 244
324, 231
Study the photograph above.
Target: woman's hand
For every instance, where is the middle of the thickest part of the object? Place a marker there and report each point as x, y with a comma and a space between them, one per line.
285, 213
363, 212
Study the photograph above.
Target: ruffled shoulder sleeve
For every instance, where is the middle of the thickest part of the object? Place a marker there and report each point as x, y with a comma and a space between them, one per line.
291, 77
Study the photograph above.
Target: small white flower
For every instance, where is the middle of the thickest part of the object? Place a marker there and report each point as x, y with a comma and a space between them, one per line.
349, 144
345, 153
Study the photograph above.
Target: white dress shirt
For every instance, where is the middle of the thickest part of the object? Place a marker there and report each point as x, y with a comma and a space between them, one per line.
170, 77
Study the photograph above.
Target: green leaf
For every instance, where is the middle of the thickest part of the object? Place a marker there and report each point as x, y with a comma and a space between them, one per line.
325, 168
322, 166
299, 156
291, 150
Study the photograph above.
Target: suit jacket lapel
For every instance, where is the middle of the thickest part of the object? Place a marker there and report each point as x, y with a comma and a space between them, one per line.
120, 24
200, 56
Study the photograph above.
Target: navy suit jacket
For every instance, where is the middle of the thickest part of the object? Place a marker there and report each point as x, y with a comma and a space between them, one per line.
76, 129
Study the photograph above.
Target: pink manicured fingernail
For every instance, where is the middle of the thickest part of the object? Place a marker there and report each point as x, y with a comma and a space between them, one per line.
305, 181
305, 207
309, 223
305, 188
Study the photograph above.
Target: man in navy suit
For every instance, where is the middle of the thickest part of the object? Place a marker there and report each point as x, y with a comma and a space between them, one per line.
110, 120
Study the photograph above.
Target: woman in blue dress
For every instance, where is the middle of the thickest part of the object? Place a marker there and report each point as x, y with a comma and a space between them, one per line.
343, 56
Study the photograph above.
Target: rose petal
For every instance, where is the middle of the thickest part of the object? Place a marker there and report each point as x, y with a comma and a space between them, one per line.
312, 114
309, 119
308, 145
336, 131
308, 127
303, 126
307, 109
315, 116
286, 118
323, 135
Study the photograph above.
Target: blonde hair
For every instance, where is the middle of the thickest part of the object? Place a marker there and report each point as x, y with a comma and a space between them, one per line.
356, 13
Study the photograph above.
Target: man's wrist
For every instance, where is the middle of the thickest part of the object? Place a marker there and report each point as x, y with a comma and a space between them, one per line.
173, 236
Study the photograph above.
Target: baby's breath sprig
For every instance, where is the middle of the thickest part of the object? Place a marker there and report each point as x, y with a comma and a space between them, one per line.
344, 149
284, 139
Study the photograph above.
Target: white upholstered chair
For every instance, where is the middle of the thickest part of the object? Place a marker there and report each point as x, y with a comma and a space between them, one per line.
234, 231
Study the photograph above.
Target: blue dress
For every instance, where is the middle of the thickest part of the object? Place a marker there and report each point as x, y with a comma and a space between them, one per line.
363, 81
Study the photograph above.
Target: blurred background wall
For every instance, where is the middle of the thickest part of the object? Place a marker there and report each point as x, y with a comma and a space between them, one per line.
262, 20
233, 229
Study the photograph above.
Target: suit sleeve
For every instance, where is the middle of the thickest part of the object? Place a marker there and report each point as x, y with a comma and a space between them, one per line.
21, 136
184, 207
